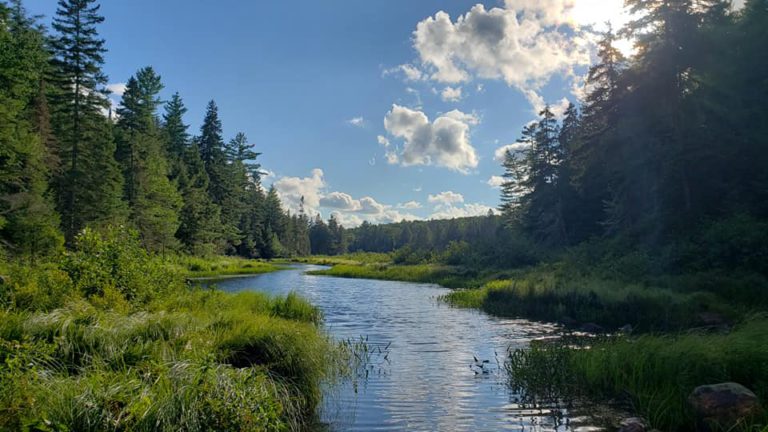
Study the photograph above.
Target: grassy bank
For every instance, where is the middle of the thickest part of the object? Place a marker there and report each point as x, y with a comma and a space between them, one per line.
110, 338
448, 276
197, 267
545, 294
654, 374
611, 295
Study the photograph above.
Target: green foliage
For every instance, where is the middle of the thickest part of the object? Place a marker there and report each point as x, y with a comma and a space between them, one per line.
116, 260
655, 373
112, 339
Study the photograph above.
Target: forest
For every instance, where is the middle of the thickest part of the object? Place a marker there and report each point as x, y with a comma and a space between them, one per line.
642, 207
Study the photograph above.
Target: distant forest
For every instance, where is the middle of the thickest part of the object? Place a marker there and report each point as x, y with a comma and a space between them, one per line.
668, 151
665, 145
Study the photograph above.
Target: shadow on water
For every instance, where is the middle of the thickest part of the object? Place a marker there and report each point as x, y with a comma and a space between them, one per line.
416, 363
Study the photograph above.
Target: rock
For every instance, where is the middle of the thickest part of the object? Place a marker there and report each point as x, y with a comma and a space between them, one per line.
591, 328
634, 424
723, 405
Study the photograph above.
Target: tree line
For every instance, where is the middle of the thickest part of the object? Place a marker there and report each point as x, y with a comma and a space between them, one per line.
664, 140
68, 162
665, 144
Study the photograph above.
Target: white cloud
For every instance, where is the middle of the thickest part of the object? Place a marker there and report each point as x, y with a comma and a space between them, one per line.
451, 94
117, 89
383, 141
500, 152
369, 205
408, 71
523, 42
347, 220
495, 181
452, 212
341, 201
356, 121
446, 198
291, 189
445, 142
519, 43
410, 205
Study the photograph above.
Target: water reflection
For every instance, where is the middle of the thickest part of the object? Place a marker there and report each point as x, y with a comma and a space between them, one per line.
443, 366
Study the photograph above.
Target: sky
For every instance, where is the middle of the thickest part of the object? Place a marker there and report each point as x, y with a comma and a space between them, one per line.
378, 110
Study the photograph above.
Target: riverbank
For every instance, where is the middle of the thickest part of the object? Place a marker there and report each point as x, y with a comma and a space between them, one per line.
679, 330
198, 267
111, 338
652, 374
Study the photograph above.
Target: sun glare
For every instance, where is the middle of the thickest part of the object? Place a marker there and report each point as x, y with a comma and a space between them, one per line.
598, 14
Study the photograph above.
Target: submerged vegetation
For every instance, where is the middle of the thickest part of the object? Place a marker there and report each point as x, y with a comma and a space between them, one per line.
111, 338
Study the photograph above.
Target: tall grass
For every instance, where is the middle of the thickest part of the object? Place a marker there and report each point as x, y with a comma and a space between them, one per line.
653, 373
112, 339
199, 267
544, 294
448, 276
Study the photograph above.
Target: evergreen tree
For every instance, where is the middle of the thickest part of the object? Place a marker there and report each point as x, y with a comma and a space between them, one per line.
154, 201
176, 135
89, 188
28, 223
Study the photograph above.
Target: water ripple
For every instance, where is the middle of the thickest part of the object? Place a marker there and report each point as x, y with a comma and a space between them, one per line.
435, 377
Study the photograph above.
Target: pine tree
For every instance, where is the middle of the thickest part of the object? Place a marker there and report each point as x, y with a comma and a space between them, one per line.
90, 184
153, 199
200, 228
28, 223
176, 135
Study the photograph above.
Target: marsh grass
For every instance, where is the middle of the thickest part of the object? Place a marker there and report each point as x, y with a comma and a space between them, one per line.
549, 296
655, 374
199, 267
124, 344
448, 276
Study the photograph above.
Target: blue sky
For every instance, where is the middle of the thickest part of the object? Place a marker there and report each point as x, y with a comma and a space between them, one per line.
311, 84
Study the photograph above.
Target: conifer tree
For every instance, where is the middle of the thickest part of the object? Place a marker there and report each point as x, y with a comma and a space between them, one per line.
153, 199
89, 188
28, 223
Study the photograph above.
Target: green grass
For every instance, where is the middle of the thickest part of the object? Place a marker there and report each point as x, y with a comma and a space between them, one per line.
111, 338
547, 296
655, 374
354, 258
196, 267
448, 276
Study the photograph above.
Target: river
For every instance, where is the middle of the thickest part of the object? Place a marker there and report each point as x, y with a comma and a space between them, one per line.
430, 374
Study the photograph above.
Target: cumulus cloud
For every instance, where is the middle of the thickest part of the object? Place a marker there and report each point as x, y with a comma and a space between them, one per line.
341, 201
519, 43
347, 220
292, 189
446, 198
444, 142
408, 71
451, 94
500, 152
467, 210
356, 121
410, 205
495, 181
522, 42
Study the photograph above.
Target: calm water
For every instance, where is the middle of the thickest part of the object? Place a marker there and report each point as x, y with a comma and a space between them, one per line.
425, 377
